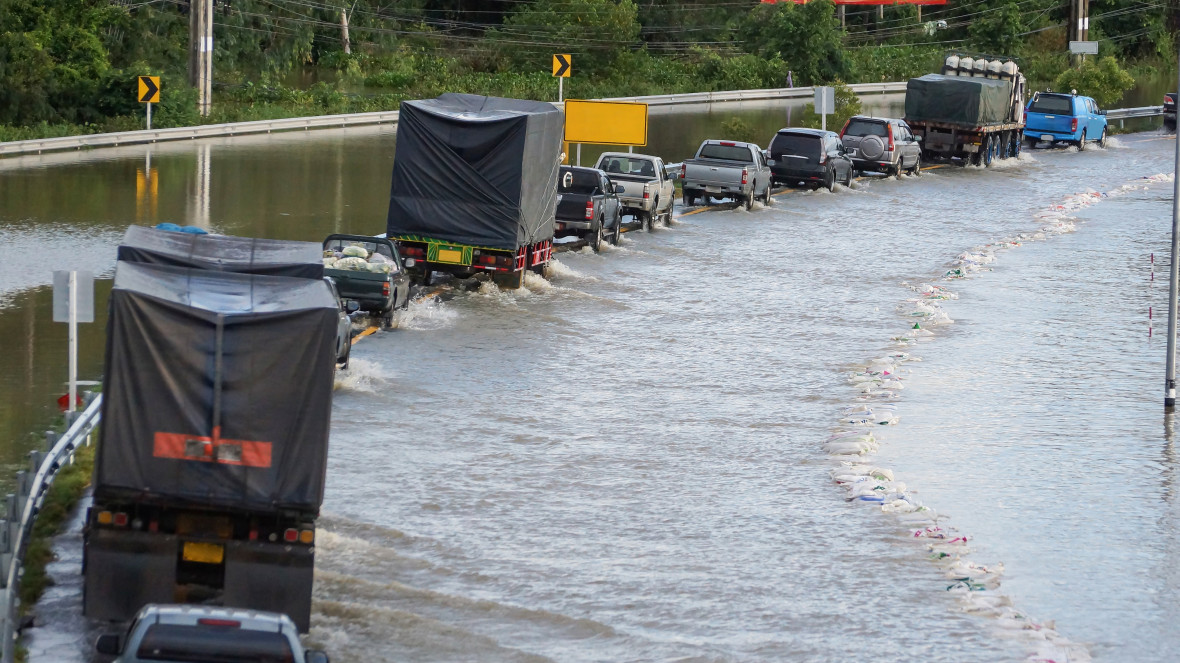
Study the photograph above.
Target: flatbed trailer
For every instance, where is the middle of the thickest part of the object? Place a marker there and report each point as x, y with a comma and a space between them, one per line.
507, 267
944, 141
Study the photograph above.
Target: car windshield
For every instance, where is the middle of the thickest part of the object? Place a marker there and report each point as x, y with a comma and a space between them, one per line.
796, 144
866, 128
725, 152
577, 181
204, 644
1051, 104
629, 166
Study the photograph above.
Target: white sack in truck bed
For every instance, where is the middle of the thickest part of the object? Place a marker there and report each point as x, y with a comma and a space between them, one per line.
480, 171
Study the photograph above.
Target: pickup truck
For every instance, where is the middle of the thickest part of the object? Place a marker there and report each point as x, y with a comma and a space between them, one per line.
648, 193
587, 206
369, 271
1055, 117
727, 169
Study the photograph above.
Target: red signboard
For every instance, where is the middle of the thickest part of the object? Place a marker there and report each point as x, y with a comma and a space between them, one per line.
863, 2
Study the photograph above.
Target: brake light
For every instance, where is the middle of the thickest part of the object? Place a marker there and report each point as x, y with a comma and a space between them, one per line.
889, 127
683, 170
745, 173
291, 535
589, 209
846, 123
414, 251
207, 621
385, 289
1073, 125
120, 520
727, 143
823, 157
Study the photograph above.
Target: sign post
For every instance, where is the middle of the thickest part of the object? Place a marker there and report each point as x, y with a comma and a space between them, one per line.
1083, 48
149, 93
562, 62
825, 102
73, 302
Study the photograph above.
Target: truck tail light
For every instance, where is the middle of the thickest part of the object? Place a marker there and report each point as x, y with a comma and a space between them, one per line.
291, 535
745, 174
414, 251
889, 128
104, 517
646, 195
121, 519
683, 170
385, 289
306, 536
846, 123
1073, 125
589, 209
230, 623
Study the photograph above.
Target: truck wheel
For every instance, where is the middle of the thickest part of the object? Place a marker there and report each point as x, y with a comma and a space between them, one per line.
916, 171
614, 238
687, 197
848, 179
830, 180
343, 365
596, 240
748, 201
1082, 142
1102, 141
766, 196
648, 221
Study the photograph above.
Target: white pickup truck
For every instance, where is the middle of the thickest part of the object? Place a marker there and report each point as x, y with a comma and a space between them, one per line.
648, 193
727, 169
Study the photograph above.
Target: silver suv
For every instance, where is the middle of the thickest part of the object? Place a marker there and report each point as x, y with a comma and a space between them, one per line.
200, 634
882, 145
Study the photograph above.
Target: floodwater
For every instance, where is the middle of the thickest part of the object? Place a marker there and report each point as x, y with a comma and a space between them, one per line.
634, 460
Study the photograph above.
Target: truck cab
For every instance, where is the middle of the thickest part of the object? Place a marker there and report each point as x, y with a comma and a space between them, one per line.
648, 192
1055, 117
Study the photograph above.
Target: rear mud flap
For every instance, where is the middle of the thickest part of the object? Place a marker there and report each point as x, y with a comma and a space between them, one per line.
126, 570
270, 576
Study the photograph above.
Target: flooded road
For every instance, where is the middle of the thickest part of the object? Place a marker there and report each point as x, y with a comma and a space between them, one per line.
627, 462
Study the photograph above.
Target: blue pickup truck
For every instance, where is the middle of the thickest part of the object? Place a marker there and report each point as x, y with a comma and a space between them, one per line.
1055, 117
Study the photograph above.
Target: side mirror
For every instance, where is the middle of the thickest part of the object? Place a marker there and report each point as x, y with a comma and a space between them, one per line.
352, 306
110, 644
770, 162
409, 263
315, 656
619, 188
1102, 112
918, 139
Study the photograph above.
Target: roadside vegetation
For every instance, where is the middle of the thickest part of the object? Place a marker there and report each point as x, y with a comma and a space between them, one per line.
69, 67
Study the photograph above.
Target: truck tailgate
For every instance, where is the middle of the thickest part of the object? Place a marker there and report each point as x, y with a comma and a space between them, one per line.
712, 173
572, 207
1048, 123
355, 284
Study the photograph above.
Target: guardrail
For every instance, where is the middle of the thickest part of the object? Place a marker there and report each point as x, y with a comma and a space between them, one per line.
1121, 114
755, 95
25, 504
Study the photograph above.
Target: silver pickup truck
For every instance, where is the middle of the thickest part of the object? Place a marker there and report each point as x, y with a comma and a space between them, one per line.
727, 169
648, 192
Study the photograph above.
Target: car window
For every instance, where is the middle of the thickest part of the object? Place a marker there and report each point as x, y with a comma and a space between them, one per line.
337, 245
725, 152
1051, 104
578, 181
858, 127
184, 643
628, 166
795, 144
606, 185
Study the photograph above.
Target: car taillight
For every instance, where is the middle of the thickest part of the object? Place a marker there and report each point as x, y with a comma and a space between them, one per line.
846, 123
121, 520
1073, 125
589, 209
727, 143
385, 289
823, 157
291, 535
232, 623
646, 195
745, 174
414, 251
889, 128
683, 170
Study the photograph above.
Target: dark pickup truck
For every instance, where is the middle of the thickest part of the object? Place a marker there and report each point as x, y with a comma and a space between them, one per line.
588, 205
369, 271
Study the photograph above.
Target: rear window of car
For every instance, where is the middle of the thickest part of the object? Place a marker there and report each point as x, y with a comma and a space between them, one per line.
577, 181
207, 644
796, 144
866, 128
1047, 104
725, 152
629, 166
337, 245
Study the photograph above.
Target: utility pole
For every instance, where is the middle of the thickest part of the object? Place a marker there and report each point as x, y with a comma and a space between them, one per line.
200, 52
1174, 268
344, 31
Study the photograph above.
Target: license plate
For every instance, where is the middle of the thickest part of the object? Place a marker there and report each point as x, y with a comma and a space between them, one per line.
713, 189
448, 255
205, 553
1046, 137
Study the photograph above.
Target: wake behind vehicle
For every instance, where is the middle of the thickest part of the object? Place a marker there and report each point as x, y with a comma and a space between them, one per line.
809, 157
648, 193
973, 112
881, 144
368, 271
588, 206
200, 634
475, 186
1055, 117
726, 169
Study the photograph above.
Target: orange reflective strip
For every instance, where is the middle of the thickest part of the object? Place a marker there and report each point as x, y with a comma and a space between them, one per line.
177, 446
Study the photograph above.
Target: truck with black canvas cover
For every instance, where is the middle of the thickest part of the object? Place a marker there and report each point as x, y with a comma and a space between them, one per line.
224, 253
973, 112
475, 186
212, 453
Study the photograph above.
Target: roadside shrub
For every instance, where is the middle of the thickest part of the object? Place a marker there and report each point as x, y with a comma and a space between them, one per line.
1104, 80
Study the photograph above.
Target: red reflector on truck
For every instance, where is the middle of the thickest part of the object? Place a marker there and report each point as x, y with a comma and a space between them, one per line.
208, 621
212, 449
291, 535
120, 520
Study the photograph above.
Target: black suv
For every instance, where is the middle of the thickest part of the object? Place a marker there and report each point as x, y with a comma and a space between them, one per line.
811, 157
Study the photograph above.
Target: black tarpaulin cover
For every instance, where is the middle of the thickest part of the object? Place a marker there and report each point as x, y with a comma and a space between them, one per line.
967, 101
257, 438
475, 170
247, 255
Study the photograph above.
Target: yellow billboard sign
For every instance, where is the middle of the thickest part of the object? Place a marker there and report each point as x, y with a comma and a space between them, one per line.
606, 122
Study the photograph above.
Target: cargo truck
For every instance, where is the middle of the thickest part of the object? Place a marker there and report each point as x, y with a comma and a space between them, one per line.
475, 186
212, 455
973, 112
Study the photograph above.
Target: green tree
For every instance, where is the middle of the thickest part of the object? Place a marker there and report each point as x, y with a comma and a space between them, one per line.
1103, 79
806, 37
998, 30
595, 32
